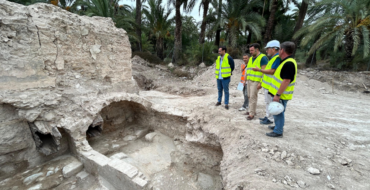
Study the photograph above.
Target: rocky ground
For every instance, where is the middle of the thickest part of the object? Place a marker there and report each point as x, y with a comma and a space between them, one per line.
326, 137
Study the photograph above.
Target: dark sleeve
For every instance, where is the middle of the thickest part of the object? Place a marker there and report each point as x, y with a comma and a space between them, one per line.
276, 63
231, 63
264, 61
288, 71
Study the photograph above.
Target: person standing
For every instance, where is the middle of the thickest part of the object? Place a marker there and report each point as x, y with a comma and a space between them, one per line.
258, 60
243, 80
224, 68
282, 85
272, 50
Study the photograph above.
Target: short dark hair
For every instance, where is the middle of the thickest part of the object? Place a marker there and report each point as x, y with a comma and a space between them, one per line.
223, 48
255, 45
288, 47
247, 54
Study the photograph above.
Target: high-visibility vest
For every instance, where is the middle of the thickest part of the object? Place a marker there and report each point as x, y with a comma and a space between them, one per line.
255, 75
266, 80
244, 71
225, 67
276, 81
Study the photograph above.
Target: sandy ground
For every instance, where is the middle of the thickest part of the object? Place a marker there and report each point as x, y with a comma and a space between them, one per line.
326, 139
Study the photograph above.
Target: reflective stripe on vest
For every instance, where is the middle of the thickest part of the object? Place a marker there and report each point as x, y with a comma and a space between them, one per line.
276, 81
225, 67
266, 80
255, 75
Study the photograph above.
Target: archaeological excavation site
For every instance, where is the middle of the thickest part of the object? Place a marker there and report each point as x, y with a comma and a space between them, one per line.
77, 111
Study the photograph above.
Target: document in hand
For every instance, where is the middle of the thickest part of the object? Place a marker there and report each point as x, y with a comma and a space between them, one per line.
240, 86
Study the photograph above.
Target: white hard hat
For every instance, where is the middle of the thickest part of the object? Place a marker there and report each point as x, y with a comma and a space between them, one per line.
275, 108
273, 44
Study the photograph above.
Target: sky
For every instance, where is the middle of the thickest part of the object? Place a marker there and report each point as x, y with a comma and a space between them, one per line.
195, 12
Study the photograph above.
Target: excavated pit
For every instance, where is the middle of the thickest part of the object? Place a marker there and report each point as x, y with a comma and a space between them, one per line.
155, 143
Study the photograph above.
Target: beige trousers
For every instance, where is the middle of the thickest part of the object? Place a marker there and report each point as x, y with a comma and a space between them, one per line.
252, 95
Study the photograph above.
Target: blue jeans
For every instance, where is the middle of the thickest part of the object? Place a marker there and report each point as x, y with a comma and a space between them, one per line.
280, 119
223, 85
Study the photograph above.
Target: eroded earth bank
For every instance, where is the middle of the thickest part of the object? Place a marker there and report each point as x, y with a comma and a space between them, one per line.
76, 112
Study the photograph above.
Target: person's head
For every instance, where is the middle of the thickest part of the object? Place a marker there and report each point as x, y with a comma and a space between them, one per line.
246, 57
222, 50
254, 49
286, 49
272, 48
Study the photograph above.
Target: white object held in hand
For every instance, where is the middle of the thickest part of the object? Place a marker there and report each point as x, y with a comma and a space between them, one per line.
240, 86
275, 108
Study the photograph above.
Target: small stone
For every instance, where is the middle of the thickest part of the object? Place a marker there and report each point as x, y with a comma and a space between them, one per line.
119, 156
149, 137
28, 180
72, 168
170, 65
313, 171
301, 184
283, 155
82, 175
129, 138
205, 181
301, 158
284, 182
115, 145
202, 65
141, 132
265, 149
49, 173
331, 186
36, 187
274, 180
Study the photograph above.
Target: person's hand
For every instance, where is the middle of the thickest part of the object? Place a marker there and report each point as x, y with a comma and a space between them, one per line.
259, 86
276, 99
256, 69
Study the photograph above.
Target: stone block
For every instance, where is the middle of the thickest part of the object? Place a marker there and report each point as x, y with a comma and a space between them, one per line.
119, 156
82, 175
94, 161
72, 168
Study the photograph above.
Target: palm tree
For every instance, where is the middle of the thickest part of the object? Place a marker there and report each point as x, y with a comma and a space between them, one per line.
344, 21
274, 5
238, 15
158, 23
205, 5
138, 22
188, 5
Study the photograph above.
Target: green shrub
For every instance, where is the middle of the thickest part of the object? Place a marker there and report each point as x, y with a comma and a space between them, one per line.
195, 53
147, 56
180, 73
235, 53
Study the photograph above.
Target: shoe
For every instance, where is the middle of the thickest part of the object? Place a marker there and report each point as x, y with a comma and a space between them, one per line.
247, 113
272, 134
227, 107
271, 127
218, 104
266, 122
242, 109
263, 118
250, 117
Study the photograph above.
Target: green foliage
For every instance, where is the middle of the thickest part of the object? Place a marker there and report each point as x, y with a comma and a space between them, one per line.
195, 53
149, 57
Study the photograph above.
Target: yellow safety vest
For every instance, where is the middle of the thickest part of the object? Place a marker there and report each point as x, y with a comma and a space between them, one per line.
225, 67
255, 75
266, 80
276, 81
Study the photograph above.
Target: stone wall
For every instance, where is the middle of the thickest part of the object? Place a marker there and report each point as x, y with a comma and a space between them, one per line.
57, 71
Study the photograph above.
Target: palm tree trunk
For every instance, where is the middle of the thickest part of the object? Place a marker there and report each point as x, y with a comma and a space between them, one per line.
270, 24
159, 47
349, 47
218, 32
311, 60
203, 26
178, 36
138, 22
249, 39
301, 16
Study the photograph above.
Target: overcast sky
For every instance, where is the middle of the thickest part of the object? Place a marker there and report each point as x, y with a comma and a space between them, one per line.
195, 12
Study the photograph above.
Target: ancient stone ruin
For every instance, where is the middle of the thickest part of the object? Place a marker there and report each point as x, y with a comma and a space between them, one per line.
66, 88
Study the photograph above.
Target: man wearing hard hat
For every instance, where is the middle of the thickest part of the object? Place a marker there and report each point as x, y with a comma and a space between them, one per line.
272, 50
282, 87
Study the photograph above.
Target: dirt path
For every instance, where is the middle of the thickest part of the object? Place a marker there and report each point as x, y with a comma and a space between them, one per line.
324, 132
